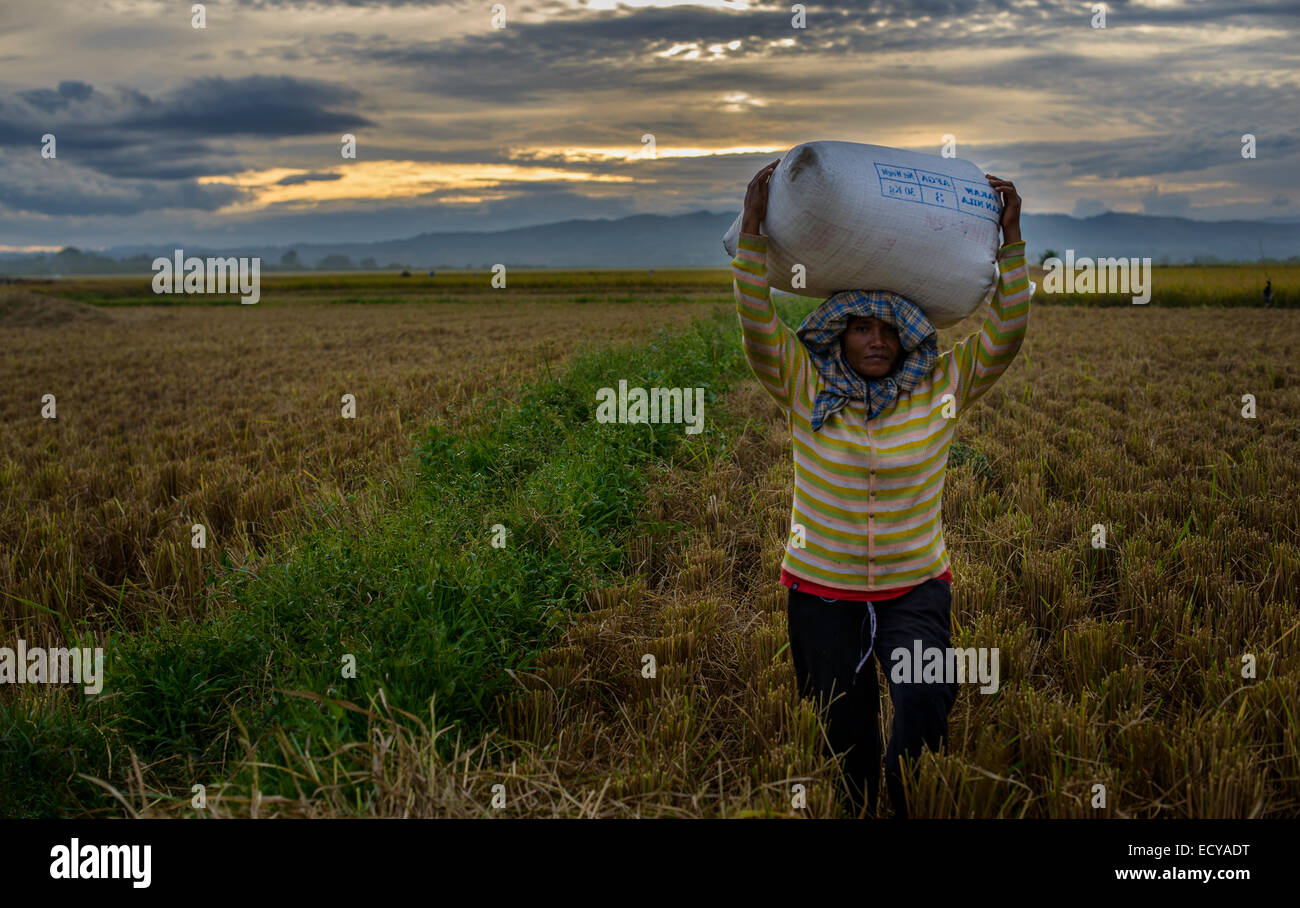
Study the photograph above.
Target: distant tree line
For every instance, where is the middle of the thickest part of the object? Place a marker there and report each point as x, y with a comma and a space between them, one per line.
71, 260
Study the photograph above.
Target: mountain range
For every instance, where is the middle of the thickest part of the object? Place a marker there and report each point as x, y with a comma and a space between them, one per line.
689, 240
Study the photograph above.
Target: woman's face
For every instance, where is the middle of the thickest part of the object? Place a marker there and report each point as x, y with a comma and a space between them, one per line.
871, 346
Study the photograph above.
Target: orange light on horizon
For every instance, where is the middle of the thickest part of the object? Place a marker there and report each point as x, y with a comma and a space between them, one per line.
626, 153
464, 184
30, 248
394, 180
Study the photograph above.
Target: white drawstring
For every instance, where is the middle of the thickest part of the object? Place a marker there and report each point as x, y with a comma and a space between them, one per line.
871, 612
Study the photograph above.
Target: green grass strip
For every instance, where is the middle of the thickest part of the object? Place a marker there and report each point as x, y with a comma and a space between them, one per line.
419, 597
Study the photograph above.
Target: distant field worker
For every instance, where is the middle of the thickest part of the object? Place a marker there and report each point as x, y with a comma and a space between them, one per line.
1268, 294
871, 406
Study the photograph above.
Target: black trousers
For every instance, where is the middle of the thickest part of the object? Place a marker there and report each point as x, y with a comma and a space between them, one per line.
828, 639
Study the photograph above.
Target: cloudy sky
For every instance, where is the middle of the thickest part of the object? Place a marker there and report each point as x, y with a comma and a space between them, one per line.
232, 133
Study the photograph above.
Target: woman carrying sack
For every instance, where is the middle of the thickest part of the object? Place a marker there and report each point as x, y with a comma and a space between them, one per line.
871, 406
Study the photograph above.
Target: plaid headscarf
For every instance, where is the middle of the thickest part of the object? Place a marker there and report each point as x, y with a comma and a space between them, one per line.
821, 331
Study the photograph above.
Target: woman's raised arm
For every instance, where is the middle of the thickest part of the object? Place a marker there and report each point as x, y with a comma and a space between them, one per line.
774, 352
983, 356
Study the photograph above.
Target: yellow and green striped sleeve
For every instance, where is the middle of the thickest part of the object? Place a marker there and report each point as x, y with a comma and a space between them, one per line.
979, 359
775, 353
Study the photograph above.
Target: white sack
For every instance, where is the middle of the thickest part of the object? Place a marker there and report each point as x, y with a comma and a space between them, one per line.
867, 217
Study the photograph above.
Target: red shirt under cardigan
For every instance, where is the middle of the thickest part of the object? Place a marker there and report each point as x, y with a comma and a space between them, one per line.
828, 592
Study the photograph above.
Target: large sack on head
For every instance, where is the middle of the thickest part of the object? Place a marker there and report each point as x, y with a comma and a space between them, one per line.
867, 217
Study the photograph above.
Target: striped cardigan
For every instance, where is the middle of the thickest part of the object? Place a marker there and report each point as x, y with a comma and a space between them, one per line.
867, 493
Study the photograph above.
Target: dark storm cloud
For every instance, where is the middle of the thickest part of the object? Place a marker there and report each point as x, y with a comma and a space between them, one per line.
1196, 13
52, 101
264, 106
207, 110
164, 160
152, 150
1134, 86
1155, 155
69, 195
570, 52
527, 59
298, 178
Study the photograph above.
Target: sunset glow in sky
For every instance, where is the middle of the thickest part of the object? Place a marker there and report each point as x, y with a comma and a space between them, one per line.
231, 133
